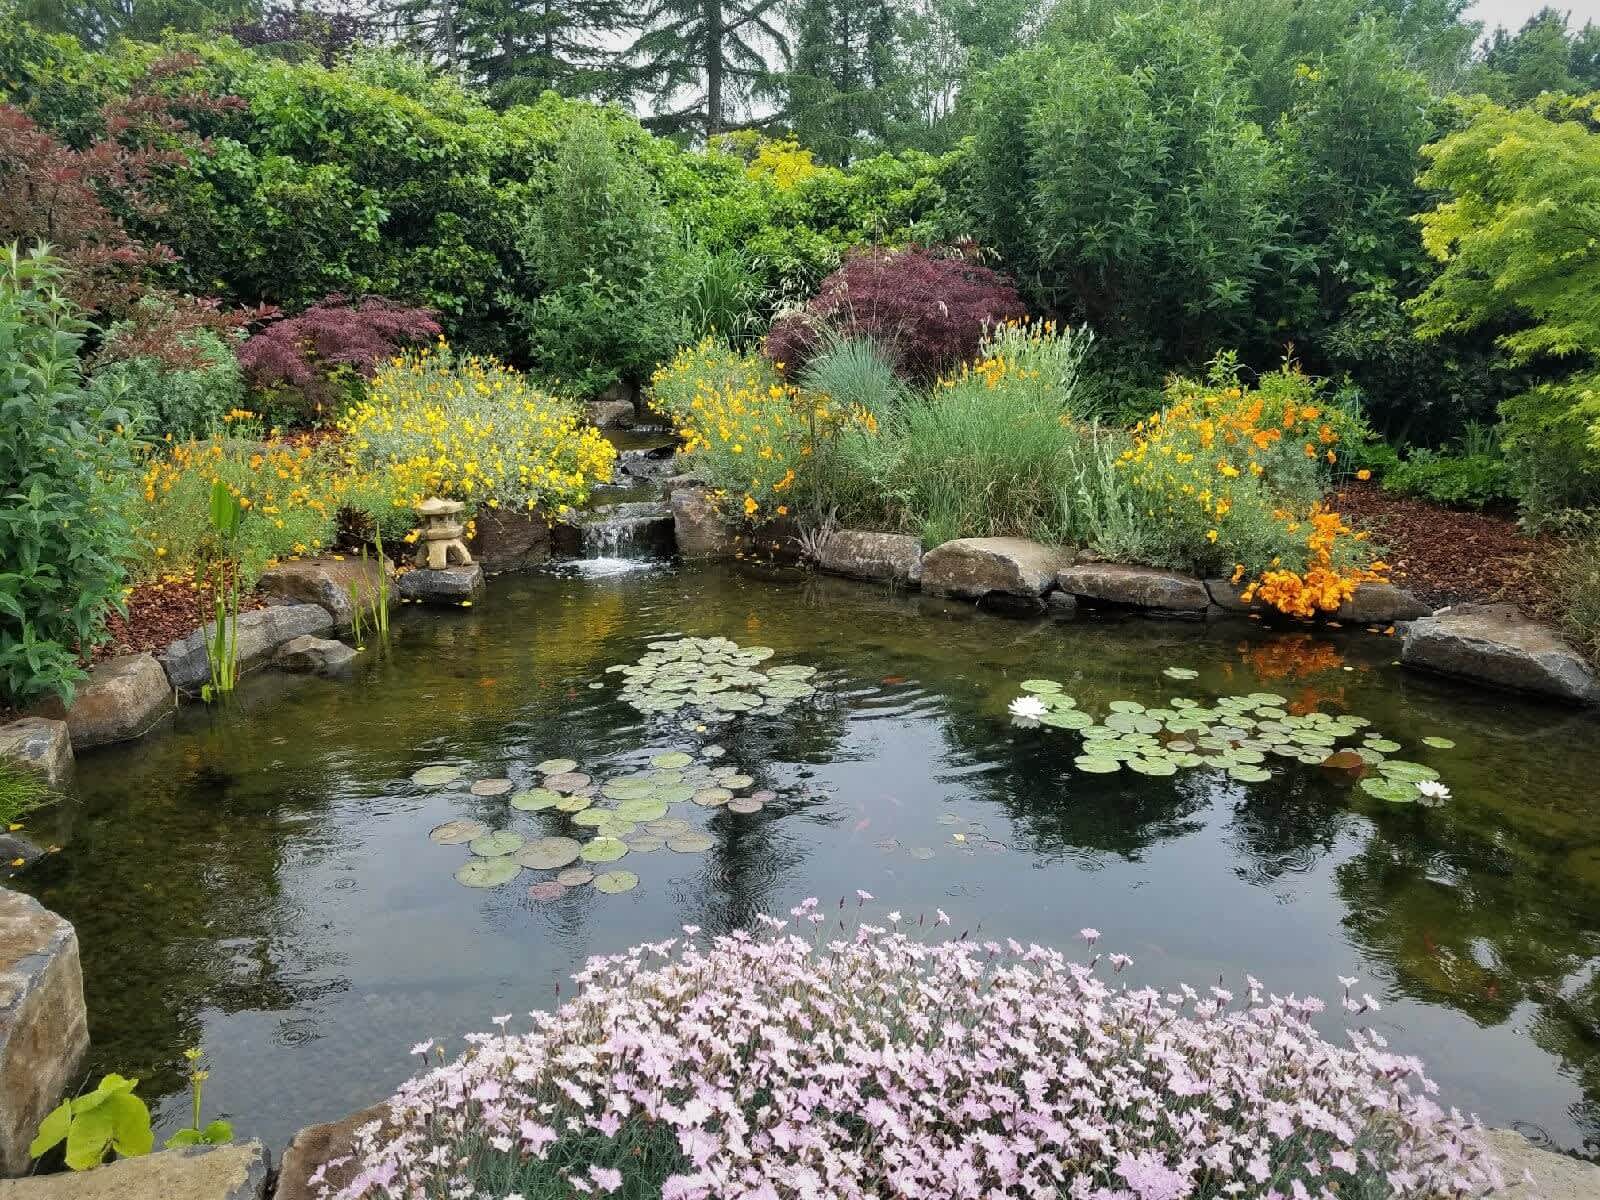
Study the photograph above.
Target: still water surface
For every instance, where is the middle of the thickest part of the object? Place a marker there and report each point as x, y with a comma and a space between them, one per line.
261, 881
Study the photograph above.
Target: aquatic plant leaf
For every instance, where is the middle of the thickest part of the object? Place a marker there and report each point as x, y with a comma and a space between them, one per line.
548, 853
567, 781
574, 803
493, 845
488, 872
436, 776
644, 809
454, 833
1181, 673
603, 849
1096, 764
535, 800
1438, 743
1391, 790
556, 766
712, 797
692, 842
645, 843
672, 760
614, 883
575, 877
1039, 686
744, 805
491, 787
1247, 773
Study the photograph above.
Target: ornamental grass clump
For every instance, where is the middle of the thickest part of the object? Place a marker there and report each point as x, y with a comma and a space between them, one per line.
876, 1063
437, 423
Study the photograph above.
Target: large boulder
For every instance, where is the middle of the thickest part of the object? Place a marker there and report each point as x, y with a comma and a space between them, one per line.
336, 582
315, 1147
123, 698
1496, 644
1381, 604
310, 655
610, 414
260, 633
698, 528
450, 586
891, 557
1229, 596
39, 744
1135, 587
236, 1172
44, 1030
995, 569
1555, 1176
504, 540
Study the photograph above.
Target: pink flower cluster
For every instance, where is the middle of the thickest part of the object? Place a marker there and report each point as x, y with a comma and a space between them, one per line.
875, 1062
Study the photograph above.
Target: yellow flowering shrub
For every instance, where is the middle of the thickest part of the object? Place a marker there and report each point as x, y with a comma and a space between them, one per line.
291, 493
784, 161
746, 431
434, 423
1235, 476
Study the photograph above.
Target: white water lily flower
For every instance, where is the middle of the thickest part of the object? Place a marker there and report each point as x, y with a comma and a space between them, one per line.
1030, 707
1434, 790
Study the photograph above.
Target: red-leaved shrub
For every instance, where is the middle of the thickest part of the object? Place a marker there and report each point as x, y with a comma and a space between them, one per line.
307, 362
926, 306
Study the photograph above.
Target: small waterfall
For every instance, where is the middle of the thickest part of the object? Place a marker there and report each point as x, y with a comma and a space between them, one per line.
631, 532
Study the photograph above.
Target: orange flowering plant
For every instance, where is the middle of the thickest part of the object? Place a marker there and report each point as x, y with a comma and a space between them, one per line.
746, 431
1237, 476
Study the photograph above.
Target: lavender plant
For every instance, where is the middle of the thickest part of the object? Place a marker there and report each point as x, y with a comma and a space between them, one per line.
878, 1062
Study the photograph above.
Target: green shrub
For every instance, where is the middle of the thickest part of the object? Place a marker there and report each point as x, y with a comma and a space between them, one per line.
855, 371
188, 402
1576, 570
1475, 476
65, 467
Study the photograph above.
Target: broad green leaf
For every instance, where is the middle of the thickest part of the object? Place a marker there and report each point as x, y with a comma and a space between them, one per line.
52, 1130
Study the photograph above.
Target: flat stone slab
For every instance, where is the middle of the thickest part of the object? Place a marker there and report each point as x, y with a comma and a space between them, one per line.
1135, 587
698, 529
261, 632
1381, 604
508, 541
236, 1172
310, 655
1555, 1176
979, 568
1497, 645
861, 554
44, 1029
1229, 596
610, 414
123, 698
39, 744
316, 1145
329, 581
451, 586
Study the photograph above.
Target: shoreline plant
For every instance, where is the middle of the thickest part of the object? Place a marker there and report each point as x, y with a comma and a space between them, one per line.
891, 1060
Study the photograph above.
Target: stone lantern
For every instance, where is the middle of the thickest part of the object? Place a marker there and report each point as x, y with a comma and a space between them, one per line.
440, 542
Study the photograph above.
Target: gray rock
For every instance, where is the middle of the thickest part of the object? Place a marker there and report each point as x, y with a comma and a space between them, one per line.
310, 655
1555, 1176
1381, 604
451, 586
336, 584
698, 529
44, 1029
860, 554
1135, 587
14, 846
1496, 644
509, 541
260, 633
610, 414
316, 1145
39, 744
1230, 596
674, 483
123, 698
979, 568
236, 1172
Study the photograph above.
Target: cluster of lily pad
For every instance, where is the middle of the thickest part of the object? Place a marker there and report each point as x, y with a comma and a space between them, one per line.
612, 817
1241, 735
714, 678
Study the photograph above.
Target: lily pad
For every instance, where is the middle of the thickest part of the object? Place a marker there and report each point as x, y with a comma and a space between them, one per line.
736, 783
436, 776
1039, 686
454, 833
667, 826
1097, 765
677, 794
491, 787
494, 845
548, 853
488, 872
1392, 790
535, 800
1382, 745
614, 883
556, 766
1438, 743
1181, 673
575, 877
692, 842
745, 805
1248, 773
644, 843
603, 849
574, 804
643, 809
672, 760
567, 781
712, 797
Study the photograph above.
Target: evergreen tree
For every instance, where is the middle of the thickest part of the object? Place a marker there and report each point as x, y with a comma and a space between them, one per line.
1541, 57
844, 73
96, 23
519, 49
703, 61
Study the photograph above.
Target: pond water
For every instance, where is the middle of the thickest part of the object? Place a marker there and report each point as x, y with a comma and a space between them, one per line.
261, 881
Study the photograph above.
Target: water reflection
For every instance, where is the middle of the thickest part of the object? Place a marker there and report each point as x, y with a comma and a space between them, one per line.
262, 879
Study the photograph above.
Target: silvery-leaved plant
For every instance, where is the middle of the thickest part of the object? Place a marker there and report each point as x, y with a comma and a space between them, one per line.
885, 1060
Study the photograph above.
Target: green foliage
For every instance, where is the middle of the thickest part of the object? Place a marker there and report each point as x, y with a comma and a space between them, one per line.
1576, 571
1542, 56
855, 371
64, 472
1515, 234
701, 60
215, 1133
222, 647
185, 402
108, 1120
1474, 476
21, 790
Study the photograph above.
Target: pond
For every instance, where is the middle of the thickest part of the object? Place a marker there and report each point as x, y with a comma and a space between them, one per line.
262, 880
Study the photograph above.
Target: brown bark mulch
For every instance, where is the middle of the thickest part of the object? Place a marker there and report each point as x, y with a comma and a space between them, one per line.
1446, 556
159, 613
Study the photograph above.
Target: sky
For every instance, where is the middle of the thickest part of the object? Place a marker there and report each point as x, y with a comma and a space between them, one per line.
1512, 13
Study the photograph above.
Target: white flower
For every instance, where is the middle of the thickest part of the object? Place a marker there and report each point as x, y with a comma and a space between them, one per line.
1434, 790
1030, 707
